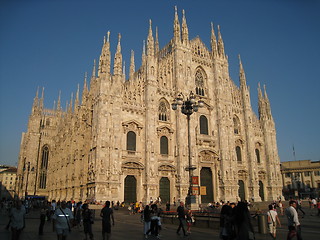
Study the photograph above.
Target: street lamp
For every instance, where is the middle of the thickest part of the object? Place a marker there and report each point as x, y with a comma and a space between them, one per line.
188, 106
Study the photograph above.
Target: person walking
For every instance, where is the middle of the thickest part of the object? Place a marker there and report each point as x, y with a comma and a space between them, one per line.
181, 218
146, 220
43, 214
293, 221
226, 223
17, 220
244, 228
87, 217
107, 216
189, 219
273, 219
62, 221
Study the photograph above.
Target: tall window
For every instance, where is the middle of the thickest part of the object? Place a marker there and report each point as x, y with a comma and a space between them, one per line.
163, 111
258, 155
236, 125
199, 81
44, 167
131, 141
164, 145
203, 125
238, 152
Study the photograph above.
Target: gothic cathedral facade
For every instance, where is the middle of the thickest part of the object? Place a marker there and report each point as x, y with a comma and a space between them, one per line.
122, 141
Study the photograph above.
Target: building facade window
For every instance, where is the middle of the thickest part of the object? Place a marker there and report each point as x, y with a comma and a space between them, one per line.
258, 155
44, 167
238, 153
131, 141
288, 175
317, 173
163, 111
236, 125
307, 174
204, 125
164, 150
199, 81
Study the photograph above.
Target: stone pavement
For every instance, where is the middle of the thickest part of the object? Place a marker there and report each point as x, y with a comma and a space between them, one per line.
129, 227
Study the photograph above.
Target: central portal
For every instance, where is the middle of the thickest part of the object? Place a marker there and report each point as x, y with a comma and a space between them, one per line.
130, 189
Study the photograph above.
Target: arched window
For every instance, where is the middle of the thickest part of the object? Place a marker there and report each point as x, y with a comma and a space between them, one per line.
131, 141
199, 81
238, 152
236, 125
163, 111
258, 155
44, 167
164, 145
203, 125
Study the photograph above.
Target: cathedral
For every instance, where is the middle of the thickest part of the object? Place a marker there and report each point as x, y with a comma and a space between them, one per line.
119, 138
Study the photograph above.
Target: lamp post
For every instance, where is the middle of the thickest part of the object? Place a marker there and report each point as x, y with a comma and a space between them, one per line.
188, 106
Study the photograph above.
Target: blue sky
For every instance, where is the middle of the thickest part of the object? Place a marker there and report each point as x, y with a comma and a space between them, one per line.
52, 44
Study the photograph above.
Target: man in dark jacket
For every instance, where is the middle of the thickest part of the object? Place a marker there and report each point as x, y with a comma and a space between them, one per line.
182, 218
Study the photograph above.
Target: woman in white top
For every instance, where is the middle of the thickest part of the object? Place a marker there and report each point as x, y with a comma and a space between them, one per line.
272, 221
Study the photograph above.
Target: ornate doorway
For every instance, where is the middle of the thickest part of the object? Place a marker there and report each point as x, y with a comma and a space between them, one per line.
241, 192
165, 189
130, 189
206, 181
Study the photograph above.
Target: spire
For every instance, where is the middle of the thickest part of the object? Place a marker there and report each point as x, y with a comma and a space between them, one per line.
214, 47
260, 102
242, 75
132, 66
71, 103
76, 103
117, 67
35, 104
41, 99
143, 52
150, 41
176, 27
268, 108
59, 101
185, 31
94, 69
105, 56
85, 89
220, 43
157, 42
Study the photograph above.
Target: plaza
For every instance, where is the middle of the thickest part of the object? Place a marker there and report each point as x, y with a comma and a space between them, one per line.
130, 227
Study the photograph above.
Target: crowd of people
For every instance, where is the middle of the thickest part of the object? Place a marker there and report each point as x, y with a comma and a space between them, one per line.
235, 218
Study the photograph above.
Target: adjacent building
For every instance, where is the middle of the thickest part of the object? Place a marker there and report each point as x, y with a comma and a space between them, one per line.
120, 140
7, 182
301, 178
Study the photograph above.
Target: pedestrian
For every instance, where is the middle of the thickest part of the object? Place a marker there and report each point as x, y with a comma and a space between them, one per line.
272, 221
87, 217
318, 206
146, 220
181, 218
17, 220
189, 219
244, 228
154, 226
226, 223
299, 206
293, 221
167, 206
62, 218
78, 215
43, 215
107, 216
280, 204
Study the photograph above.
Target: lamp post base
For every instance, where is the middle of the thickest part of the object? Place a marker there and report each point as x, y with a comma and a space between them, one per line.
192, 202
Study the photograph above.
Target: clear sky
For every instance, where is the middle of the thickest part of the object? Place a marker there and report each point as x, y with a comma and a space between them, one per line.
52, 44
